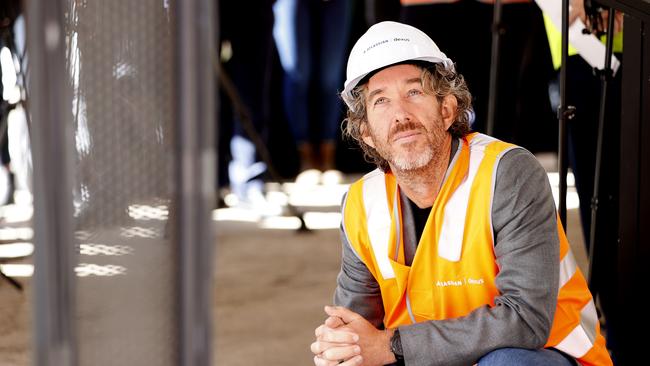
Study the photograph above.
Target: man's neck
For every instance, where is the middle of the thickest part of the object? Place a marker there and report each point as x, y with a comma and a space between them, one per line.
422, 185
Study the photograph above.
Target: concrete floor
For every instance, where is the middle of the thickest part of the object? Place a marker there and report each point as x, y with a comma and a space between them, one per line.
270, 288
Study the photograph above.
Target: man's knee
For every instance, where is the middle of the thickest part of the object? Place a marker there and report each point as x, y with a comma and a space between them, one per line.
521, 356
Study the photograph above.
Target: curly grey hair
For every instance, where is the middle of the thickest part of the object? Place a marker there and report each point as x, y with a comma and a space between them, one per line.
436, 80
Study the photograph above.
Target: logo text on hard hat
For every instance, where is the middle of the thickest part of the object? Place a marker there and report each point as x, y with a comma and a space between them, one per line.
386, 41
375, 45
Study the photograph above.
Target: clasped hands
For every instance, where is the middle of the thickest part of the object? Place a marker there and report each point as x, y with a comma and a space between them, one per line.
346, 338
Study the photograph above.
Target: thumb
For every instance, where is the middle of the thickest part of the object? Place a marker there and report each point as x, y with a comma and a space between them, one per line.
345, 314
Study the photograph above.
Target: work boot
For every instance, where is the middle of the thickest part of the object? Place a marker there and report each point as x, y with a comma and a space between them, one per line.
309, 175
330, 174
328, 155
307, 156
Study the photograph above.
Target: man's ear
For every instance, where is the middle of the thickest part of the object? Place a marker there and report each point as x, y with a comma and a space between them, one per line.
449, 110
365, 135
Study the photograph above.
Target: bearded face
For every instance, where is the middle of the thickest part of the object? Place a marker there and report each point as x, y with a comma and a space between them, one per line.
405, 124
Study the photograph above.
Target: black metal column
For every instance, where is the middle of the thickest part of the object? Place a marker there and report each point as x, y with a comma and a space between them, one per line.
634, 246
497, 29
564, 114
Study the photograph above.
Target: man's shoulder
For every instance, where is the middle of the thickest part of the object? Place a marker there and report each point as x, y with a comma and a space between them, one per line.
519, 173
519, 159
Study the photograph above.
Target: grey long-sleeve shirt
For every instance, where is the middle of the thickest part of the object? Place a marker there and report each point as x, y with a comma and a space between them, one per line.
527, 254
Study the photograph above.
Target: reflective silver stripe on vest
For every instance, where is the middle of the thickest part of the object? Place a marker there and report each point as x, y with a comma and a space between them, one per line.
450, 243
582, 337
378, 220
589, 320
568, 268
408, 307
398, 224
345, 230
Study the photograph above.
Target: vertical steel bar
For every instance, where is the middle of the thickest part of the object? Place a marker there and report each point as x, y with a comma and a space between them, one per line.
494, 66
195, 34
50, 108
563, 117
606, 75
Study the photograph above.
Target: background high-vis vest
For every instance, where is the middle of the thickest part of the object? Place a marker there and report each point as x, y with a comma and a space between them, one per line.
454, 268
555, 42
431, 2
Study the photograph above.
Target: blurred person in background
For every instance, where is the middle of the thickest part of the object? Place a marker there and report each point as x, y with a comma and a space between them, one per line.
311, 37
247, 49
9, 13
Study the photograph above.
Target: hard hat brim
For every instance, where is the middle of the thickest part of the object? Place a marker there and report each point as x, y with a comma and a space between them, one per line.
349, 86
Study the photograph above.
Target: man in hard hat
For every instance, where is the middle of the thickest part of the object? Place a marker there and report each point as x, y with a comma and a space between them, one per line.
452, 252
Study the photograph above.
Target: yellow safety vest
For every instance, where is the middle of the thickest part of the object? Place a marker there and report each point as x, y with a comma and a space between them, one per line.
454, 269
554, 37
431, 2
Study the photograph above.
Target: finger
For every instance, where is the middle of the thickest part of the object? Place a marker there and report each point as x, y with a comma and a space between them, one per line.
345, 314
319, 347
323, 329
339, 336
318, 361
356, 360
341, 353
334, 322
320, 330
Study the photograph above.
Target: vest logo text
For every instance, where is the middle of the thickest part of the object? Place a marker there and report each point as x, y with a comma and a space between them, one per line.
465, 281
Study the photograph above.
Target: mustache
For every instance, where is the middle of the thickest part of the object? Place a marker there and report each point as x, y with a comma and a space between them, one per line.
401, 127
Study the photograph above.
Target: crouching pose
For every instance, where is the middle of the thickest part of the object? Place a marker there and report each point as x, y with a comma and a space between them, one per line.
452, 251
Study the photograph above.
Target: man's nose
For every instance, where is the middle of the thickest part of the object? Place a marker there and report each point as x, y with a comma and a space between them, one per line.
401, 111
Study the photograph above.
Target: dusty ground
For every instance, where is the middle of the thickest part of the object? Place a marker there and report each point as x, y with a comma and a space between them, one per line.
15, 325
270, 292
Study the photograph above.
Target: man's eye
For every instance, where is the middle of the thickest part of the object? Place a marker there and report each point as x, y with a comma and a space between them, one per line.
380, 100
414, 92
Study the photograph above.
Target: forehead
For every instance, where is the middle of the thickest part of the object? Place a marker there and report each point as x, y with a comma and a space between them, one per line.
392, 74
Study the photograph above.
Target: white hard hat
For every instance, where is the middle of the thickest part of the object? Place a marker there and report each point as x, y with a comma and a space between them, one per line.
388, 43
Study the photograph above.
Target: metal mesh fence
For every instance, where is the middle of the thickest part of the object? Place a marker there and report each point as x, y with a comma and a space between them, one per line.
120, 70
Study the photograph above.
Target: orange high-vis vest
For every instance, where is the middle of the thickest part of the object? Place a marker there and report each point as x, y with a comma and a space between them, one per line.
454, 269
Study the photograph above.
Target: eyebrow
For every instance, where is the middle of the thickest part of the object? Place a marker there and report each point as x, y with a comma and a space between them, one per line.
416, 80
373, 93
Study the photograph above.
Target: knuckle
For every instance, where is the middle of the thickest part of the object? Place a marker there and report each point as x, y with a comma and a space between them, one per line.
325, 355
330, 354
327, 337
316, 348
318, 330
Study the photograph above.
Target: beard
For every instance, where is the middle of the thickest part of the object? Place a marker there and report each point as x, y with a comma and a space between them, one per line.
411, 155
415, 161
